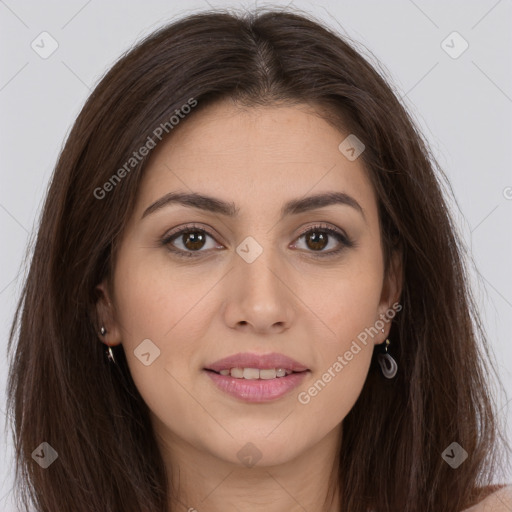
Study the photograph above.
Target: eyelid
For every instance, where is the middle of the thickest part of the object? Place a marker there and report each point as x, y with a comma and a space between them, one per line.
190, 227
323, 226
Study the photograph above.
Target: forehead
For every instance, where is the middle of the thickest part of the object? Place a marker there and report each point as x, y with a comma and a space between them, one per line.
263, 155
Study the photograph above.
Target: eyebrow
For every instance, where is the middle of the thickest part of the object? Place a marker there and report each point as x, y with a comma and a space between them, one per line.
229, 209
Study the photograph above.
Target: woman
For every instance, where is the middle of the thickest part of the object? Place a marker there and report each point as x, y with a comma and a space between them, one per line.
247, 293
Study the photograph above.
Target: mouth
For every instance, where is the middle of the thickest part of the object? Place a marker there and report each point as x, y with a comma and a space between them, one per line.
256, 378
255, 373
245, 365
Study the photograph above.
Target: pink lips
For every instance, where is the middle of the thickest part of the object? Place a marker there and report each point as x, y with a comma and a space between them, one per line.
263, 362
256, 390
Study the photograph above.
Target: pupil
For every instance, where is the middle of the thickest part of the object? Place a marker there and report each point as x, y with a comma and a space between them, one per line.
195, 238
319, 240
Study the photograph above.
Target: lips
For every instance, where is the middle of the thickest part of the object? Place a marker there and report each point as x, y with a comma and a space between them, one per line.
261, 362
256, 378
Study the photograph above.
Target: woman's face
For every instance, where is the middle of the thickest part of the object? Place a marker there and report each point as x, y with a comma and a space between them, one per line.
249, 283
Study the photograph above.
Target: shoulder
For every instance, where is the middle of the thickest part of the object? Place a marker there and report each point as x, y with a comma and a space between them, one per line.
499, 500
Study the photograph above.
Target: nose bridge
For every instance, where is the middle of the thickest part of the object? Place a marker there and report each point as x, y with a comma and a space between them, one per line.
259, 295
258, 265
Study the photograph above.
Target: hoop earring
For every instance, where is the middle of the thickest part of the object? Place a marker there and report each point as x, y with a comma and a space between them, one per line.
387, 364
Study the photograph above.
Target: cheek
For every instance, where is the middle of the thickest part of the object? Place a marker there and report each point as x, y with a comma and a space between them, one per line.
168, 308
332, 392
343, 360
154, 301
345, 300
345, 342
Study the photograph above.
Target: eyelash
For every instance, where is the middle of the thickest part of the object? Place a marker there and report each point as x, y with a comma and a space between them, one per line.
345, 241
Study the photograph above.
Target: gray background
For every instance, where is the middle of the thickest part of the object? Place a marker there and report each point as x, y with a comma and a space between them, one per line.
463, 106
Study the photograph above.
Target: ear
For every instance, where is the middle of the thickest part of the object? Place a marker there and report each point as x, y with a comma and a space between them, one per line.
391, 291
106, 316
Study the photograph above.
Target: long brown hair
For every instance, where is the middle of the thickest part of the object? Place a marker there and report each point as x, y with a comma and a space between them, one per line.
62, 390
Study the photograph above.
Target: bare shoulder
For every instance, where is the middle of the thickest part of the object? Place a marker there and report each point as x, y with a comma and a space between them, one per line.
497, 501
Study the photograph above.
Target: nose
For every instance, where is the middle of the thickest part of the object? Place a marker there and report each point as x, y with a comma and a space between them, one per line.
259, 296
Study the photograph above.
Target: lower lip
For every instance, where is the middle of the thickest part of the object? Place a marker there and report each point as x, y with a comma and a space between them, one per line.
257, 390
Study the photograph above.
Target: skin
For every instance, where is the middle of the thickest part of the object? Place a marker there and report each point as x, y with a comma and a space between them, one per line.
198, 310
498, 501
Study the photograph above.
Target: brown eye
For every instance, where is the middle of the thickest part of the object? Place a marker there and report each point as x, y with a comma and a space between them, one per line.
318, 238
193, 240
189, 242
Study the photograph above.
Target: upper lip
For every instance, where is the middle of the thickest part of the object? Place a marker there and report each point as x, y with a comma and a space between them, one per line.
260, 361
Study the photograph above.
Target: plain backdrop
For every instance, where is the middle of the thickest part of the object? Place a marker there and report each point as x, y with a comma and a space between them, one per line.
462, 103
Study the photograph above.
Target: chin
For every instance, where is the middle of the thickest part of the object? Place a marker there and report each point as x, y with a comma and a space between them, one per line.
252, 449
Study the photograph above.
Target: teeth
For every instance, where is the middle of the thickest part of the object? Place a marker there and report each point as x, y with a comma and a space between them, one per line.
255, 373
237, 372
251, 373
268, 374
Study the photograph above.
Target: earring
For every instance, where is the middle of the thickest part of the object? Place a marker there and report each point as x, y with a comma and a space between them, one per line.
387, 364
109, 351
110, 355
